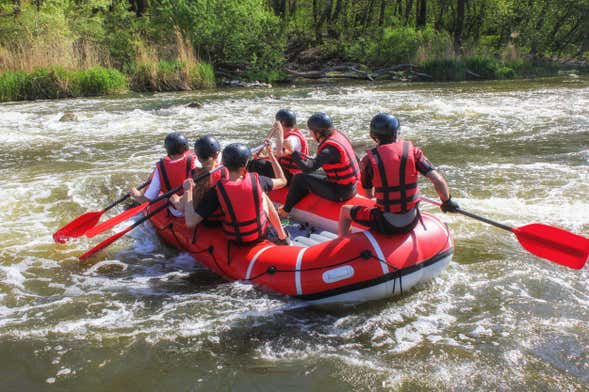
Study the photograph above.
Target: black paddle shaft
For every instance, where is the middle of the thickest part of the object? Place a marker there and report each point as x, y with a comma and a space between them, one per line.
482, 219
123, 198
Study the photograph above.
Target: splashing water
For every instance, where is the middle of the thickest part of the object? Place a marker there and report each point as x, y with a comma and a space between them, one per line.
145, 316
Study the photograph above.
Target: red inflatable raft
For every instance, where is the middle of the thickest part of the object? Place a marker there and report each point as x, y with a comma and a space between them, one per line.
318, 268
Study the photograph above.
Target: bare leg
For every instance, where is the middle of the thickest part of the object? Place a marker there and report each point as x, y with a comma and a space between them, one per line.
345, 220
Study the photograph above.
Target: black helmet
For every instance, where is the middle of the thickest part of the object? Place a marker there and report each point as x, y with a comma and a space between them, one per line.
384, 124
287, 117
175, 143
206, 147
236, 155
320, 122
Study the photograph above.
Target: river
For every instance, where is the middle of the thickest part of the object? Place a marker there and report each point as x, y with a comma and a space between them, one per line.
140, 316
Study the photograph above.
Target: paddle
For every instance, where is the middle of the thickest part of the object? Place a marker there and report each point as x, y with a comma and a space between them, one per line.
552, 243
143, 206
112, 222
115, 220
118, 235
86, 221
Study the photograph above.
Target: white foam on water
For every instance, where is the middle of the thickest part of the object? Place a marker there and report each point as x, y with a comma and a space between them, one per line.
138, 290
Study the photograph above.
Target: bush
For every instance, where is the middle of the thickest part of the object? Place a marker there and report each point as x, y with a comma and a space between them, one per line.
100, 81
47, 83
206, 74
57, 82
445, 69
12, 85
505, 73
171, 75
486, 67
398, 46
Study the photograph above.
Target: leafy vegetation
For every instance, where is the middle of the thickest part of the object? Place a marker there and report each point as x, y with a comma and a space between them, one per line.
57, 48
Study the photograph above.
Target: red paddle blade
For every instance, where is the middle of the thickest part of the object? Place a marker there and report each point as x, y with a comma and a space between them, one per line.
554, 244
105, 243
77, 227
115, 220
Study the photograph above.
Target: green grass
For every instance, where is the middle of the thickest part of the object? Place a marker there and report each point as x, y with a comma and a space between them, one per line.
172, 75
12, 85
57, 82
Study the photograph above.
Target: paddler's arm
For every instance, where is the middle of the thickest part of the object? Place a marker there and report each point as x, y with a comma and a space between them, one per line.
273, 217
280, 180
150, 193
440, 184
279, 133
426, 168
326, 156
366, 174
191, 217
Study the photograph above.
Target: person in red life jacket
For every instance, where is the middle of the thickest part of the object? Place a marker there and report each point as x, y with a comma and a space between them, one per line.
288, 140
390, 172
335, 156
170, 172
208, 151
242, 197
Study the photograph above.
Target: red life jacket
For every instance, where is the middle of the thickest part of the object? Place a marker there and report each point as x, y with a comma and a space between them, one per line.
217, 215
242, 202
287, 162
172, 173
347, 170
395, 176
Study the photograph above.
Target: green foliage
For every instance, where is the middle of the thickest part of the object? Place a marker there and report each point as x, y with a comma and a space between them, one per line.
161, 47
57, 82
445, 70
233, 34
171, 76
486, 67
205, 73
100, 81
505, 73
11, 85
398, 46
47, 83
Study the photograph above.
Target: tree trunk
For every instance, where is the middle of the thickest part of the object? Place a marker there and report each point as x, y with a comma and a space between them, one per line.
279, 7
293, 8
421, 14
408, 9
439, 19
458, 26
138, 6
381, 15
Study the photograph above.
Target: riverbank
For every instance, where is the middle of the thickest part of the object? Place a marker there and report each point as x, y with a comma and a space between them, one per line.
57, 82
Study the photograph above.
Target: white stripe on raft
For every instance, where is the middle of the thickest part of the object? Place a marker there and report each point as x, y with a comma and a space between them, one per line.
298, 271
250, 267
379, 254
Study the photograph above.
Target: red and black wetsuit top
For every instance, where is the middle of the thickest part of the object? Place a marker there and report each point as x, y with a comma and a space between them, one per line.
346, 171
217, 215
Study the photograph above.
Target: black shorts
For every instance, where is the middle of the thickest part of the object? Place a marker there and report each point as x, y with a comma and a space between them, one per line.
373, 218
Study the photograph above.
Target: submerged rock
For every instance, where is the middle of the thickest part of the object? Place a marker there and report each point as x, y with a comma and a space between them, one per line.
195, 105
68, 116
